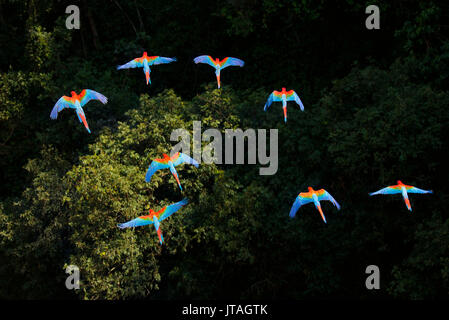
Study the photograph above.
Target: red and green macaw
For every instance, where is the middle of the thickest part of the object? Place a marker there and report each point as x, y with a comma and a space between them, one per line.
77, 101
219, 65
401, 188
145, 62
314, 196
169, 162
283, 96
155, 217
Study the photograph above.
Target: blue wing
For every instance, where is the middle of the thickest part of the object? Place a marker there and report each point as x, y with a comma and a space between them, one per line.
169, 210
298, 203
137, 222
205, 59
326, 196
161, 60
230, 61
271, 98
86, 95
387, 190
154, 166
417, 190
295, 97
184, 158
61, 104
135, 63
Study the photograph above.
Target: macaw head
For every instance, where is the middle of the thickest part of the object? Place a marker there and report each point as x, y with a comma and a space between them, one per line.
310, 188
152, 213
144, 54
283, 90
400, 182
73, 94
217, 61
166, 156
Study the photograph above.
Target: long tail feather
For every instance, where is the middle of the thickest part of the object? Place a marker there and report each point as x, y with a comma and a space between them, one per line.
406, 200
175, 174
147, 70
177, 180
407, 203
321, 213
159, 234
83, 120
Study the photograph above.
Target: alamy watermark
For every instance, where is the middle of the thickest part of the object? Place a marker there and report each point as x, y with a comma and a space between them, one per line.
73, 20
373, 280
73, 280
256, 141
373, 20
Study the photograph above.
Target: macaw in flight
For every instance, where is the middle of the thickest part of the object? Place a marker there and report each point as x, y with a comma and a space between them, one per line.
169, 162
155, 218
77, 101
283, 96
401, 188
314, 196
219, 65
145, 62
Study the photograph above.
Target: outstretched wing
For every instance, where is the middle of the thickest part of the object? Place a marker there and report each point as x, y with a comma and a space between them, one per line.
137, 222
411, 189
62, 103
169, 210
179, 158
86, 95
135, 63
230, 61
302, 199
387, 190
324, 195
274, 96
154, 166
161, 60
292, 96
205, 59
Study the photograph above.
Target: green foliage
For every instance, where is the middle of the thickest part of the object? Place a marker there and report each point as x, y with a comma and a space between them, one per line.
39, 47
34, 231
400, 122
20, 92
424, 274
